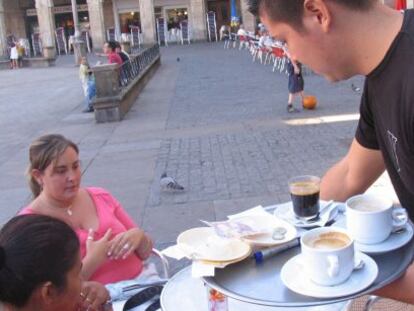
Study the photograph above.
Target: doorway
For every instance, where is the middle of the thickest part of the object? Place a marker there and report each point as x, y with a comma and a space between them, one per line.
222, 10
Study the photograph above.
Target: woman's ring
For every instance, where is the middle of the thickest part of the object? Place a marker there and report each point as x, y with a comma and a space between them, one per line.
126, 246
88, 300
90, 238
82, 295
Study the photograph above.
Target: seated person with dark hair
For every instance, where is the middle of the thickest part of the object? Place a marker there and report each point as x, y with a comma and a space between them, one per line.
124, 55
40, 267
109, 49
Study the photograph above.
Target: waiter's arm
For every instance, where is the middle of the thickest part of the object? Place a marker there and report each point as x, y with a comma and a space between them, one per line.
401, 289
354, 174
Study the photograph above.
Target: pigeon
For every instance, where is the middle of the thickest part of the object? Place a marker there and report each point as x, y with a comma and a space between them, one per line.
178, 59
355, 88
169, 183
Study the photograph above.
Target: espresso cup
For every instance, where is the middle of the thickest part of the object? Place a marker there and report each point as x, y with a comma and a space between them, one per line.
371, 219
304, 192
327, 255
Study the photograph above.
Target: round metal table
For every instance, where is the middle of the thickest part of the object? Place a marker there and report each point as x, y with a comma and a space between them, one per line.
183, 292
261, 284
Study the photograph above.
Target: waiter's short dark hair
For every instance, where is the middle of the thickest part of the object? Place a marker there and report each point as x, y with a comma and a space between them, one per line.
291, 11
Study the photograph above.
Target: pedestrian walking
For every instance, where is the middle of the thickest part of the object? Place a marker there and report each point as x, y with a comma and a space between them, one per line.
20, 54
14, 56
295, 85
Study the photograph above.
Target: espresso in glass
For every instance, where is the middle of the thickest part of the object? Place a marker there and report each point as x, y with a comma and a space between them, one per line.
304, 192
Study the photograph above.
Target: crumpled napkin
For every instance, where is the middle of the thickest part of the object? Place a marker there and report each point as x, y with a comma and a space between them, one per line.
240, 225
200, 268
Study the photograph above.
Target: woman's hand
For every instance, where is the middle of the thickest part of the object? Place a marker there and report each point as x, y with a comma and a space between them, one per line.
145, 248
125, 243
96, 253
98, 250
94, 296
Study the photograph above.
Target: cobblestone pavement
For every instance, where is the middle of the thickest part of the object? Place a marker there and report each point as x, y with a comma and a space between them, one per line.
212, 119
247, 163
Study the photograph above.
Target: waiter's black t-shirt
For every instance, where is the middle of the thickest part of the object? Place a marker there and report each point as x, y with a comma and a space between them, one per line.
387, 113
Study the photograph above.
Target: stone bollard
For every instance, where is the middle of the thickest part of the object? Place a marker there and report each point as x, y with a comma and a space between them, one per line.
49, 52
106, 80
79, 50
106, 103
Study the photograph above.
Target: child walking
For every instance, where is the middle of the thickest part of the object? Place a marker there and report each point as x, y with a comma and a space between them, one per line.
88, 84
14, 56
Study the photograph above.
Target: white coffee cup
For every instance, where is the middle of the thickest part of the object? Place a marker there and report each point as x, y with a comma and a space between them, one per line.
370, 219
327, 255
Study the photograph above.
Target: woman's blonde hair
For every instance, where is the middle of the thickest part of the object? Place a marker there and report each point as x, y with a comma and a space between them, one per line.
42, 152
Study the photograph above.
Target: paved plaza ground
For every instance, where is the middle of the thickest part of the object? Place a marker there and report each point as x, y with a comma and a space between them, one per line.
214, 120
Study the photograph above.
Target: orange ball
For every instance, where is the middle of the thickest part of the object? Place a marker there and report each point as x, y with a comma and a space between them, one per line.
310, 102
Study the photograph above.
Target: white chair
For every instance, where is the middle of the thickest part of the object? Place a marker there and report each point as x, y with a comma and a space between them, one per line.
85, 38
36, 44
61, 40
185, 32
162, 31
243, 42
135, 36
26, 44
110, 34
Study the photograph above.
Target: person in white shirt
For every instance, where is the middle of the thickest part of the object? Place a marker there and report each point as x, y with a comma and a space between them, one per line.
241, 31
14, 56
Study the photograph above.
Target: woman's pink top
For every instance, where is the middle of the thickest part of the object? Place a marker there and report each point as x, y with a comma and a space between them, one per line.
110, 215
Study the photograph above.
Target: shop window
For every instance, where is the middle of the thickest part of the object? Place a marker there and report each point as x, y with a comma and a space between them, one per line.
129, 19
175, 16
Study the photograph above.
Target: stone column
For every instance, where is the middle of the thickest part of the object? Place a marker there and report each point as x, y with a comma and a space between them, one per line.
249, 20
116, 20
198, 23
410, 4
146, 11
46, 21
96, 22
3, 35
79, 46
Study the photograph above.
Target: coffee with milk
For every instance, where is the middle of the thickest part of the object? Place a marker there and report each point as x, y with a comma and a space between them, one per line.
370, 219
330, 240
327, 255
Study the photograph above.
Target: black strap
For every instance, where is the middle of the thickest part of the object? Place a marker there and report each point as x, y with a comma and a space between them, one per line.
142, 297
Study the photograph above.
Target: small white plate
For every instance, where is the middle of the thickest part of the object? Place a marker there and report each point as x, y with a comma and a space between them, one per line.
294, 278
269, 222
393, 242
285, 212
203, 244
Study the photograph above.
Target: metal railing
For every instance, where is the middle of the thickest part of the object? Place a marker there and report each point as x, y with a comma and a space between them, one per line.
137, 63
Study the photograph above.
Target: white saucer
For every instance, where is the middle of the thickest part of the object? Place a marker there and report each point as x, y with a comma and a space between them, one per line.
285, 212
294, 278
393, 242
203, 244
